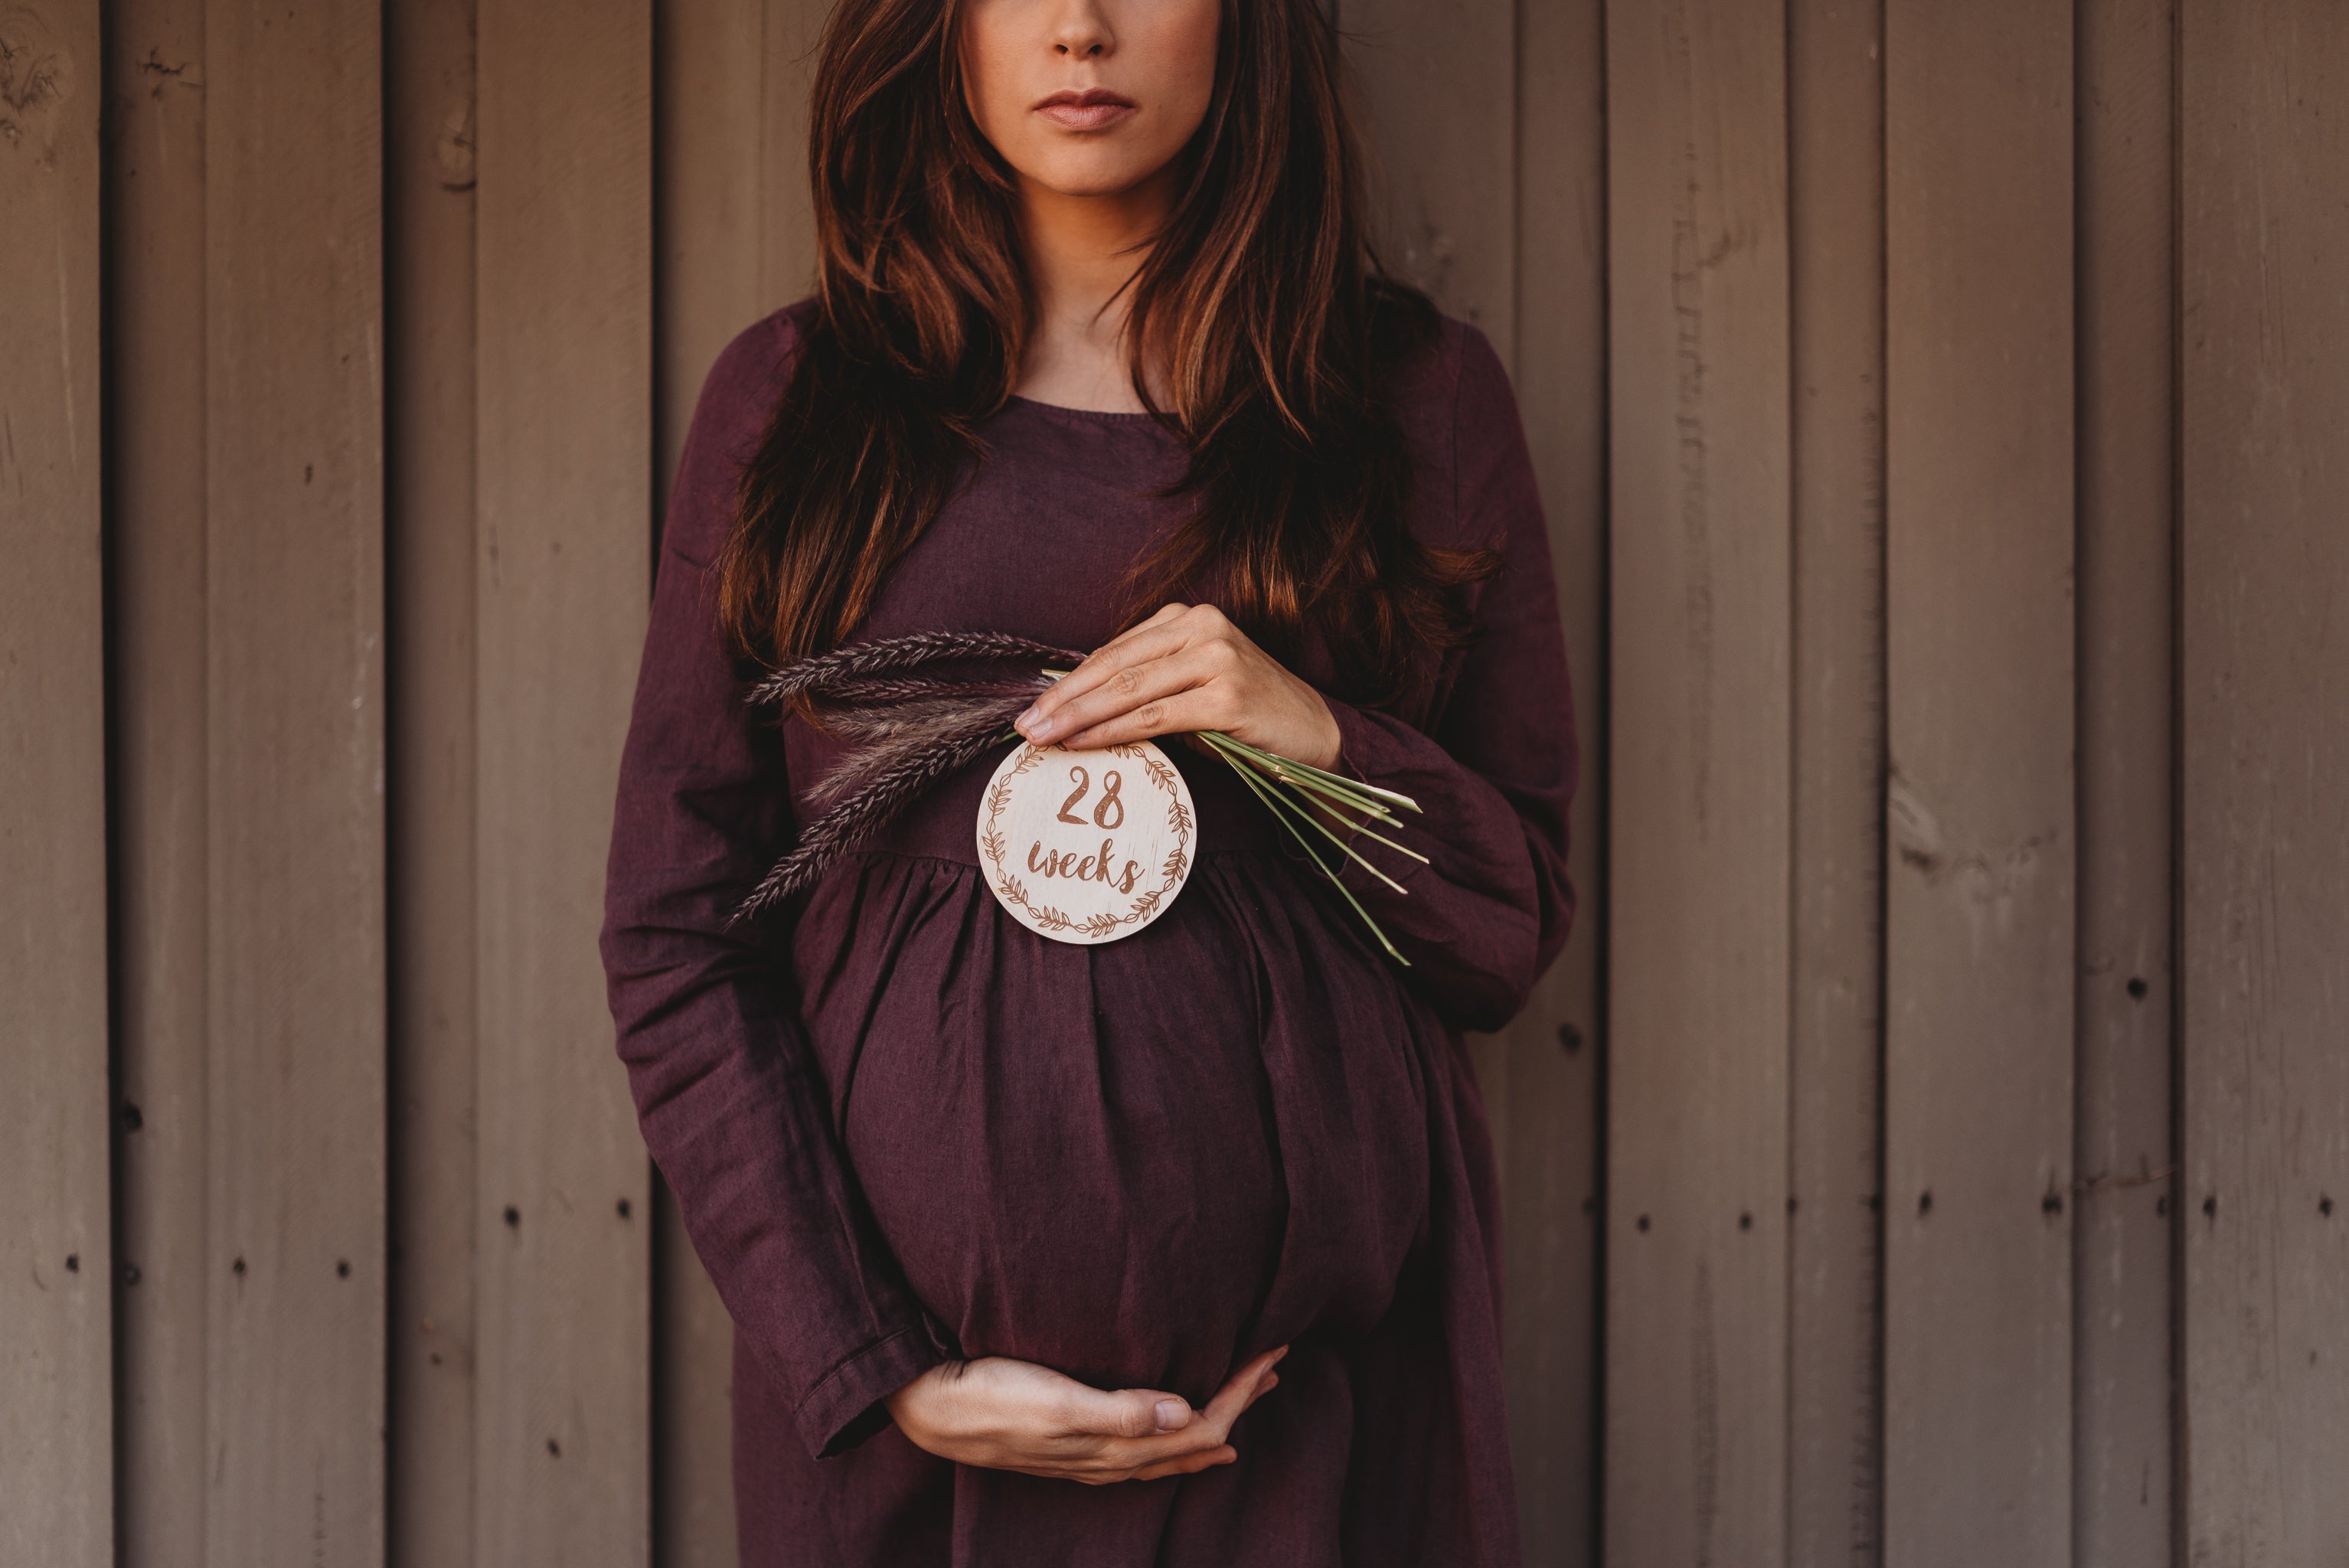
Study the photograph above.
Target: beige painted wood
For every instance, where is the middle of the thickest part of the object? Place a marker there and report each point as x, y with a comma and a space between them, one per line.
1979, 906
564, 258
2123, 1264
56, 1359
792, 36
710, 196
154, 349
714, 185
1699, 808
1835, 137
2265, 710
1550, 1115
736, 228
294, 1140
1436, 114
736, 237
430, 139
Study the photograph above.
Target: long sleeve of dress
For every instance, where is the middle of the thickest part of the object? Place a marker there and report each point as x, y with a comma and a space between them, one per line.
730, 1097
1494, 770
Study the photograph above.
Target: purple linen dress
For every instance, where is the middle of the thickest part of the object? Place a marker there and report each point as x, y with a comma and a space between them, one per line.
903, 1127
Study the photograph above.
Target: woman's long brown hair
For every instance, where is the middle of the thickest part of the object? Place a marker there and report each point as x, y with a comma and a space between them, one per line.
1262, 296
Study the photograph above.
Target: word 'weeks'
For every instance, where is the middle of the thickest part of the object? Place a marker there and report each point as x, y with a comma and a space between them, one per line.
1091, 867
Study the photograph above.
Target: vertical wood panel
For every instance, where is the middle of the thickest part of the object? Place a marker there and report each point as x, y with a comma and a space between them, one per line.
735, 228
294, 733
2265, 381
1550, 1115
55, 1357
564, 433
154, 349
726, 202
1979, 937
1699, 808
1835, 92
1438, 126
709, 195
2122, 1514
428, 269
787, 230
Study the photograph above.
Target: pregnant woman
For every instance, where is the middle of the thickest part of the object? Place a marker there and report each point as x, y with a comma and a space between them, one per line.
1180, 1248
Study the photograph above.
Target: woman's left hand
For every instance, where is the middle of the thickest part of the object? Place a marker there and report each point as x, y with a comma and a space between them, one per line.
1187, 668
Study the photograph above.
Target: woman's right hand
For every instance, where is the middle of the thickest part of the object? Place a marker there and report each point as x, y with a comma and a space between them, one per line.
1001, 1414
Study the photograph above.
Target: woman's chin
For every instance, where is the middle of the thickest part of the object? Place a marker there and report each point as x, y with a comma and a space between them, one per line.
1095, 172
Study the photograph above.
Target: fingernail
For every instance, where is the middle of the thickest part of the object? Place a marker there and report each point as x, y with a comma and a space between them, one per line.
1171, 1414
1025, 719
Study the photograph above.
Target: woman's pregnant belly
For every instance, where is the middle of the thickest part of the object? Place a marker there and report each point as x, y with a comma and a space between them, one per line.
1071, 1149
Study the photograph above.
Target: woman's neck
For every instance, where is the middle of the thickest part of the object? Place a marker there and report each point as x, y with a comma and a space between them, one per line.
1082, 251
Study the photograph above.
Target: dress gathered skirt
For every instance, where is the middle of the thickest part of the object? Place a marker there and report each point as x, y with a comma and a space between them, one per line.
901, 1127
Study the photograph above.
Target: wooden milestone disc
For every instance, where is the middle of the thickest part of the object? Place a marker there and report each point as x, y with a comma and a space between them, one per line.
1087, 846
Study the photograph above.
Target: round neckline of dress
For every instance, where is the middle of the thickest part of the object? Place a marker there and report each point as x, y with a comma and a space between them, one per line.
1084, 416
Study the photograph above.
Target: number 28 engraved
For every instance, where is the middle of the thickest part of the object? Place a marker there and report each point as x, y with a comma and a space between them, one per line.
1103, 817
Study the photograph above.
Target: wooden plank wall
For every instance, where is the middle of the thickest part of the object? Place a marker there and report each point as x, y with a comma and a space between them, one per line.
1549, 1104
295, 1267
431, 133
1699, 797
2264, 582
2123, 1319
1979, 932
1931, 1149
1515, 95
563, 355
56, 1357
155, 374
1835, 99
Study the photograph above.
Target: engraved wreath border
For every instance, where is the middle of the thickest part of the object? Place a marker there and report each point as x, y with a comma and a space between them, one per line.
1014, 893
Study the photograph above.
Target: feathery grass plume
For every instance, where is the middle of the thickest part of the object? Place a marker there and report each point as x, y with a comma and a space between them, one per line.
838, 668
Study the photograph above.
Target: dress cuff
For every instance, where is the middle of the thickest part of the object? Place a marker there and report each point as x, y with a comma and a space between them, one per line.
846, 1407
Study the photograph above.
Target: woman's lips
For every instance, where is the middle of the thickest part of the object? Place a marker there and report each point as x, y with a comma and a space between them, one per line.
1090, 110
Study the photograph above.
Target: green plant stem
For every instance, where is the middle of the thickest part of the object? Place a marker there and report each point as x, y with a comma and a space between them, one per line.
1348, 821
1309, 773
1294, 810
1271, 765
1263, 793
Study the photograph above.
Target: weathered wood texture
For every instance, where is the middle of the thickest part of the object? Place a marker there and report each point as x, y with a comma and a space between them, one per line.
2265, 560
2123, 1263
1835, 141
1699, 808
155, 378
429, 138
1979, 941
55, 1257
1549, 1114
564, 383
1435, 99
1937, 411
293, 542
736, 235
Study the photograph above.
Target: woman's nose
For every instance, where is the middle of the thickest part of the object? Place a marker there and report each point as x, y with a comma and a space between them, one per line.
1081, 30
